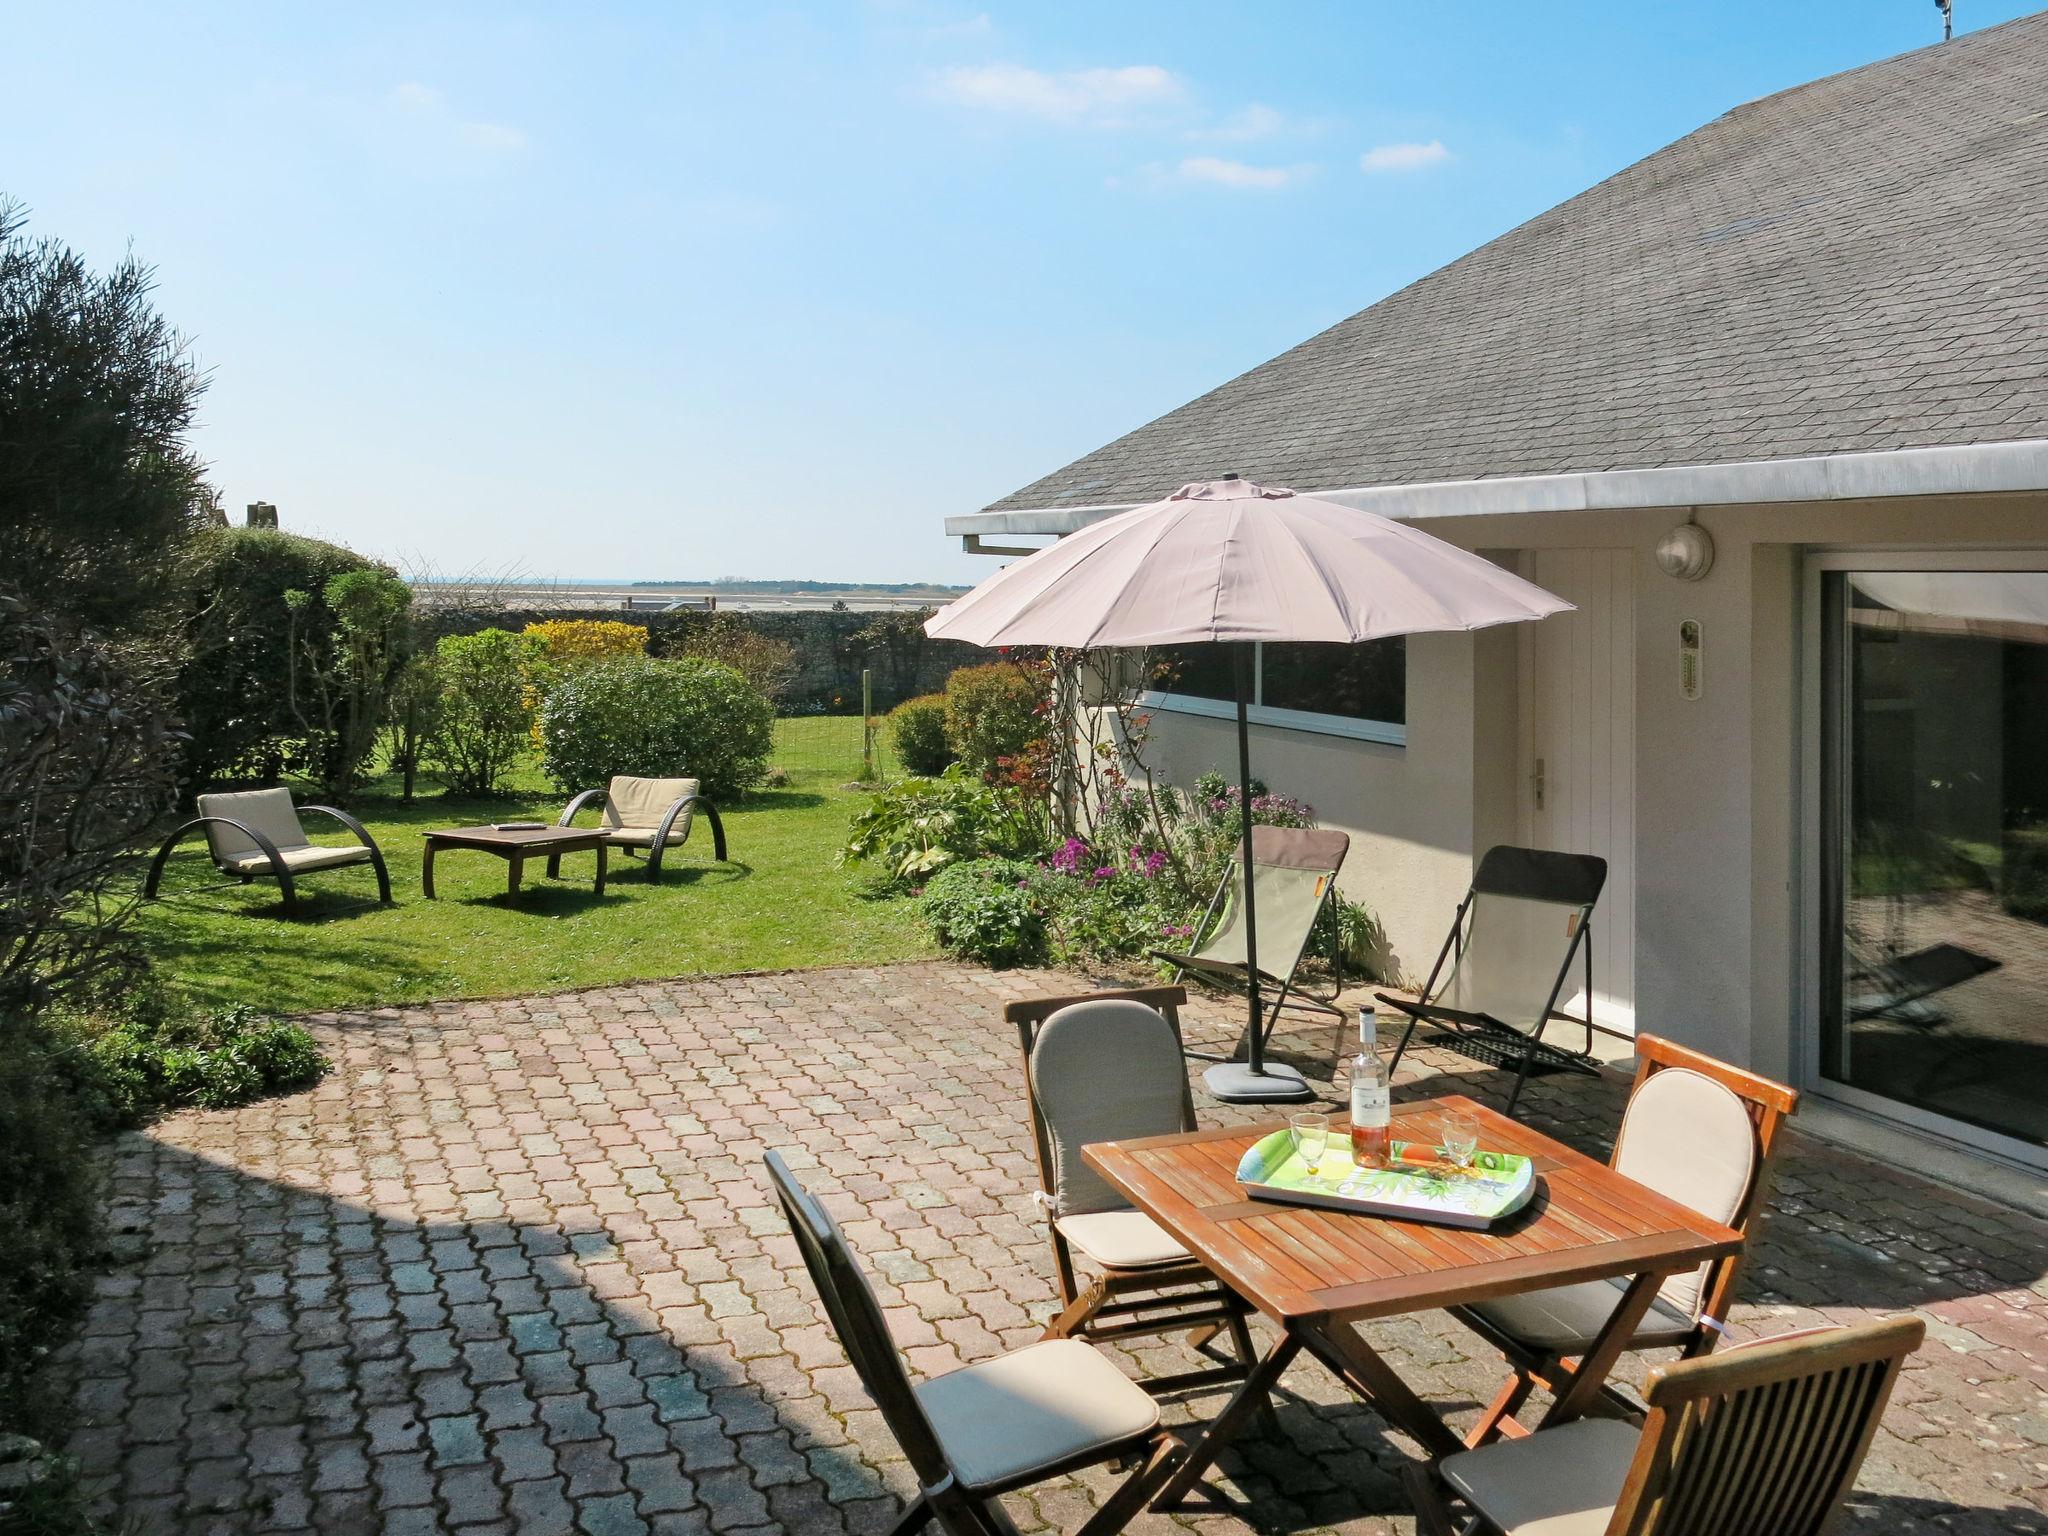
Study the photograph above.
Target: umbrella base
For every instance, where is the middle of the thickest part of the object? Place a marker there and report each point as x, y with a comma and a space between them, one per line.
1234, 1082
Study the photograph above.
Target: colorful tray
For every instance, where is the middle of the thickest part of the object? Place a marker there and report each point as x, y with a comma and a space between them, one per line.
1417, 1186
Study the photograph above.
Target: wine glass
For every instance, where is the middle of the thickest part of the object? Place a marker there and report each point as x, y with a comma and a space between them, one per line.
1461, 1137
1311, 1138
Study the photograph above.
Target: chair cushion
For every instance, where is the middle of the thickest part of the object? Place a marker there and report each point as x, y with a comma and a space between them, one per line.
300, 861
1021, 1414
1690, 1139
1557, 1482
1565, 1319
643, 837
268, 811
630, 802
1106, 1069
1122, 1239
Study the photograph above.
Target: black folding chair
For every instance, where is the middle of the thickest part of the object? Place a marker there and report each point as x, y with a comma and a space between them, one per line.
1509, 954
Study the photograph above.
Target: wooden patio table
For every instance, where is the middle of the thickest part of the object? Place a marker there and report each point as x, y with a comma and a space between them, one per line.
515, 848
1317, 1272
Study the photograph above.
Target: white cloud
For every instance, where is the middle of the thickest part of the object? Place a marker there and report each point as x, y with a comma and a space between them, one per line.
1101, 97
1403, 157
432, 110
1242, 177
1256, 121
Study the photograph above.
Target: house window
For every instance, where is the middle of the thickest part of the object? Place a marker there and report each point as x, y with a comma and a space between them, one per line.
1340, 690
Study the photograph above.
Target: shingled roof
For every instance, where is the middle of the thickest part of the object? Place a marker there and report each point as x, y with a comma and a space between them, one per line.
1856, 264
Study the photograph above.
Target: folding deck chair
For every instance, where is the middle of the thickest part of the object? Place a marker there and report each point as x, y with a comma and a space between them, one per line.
1509, 954
1294, 874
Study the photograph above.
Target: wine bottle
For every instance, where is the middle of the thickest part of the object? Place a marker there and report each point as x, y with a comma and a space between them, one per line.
1372, 1100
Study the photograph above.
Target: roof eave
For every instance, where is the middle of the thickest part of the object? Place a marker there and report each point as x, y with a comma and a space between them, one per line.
1977, 468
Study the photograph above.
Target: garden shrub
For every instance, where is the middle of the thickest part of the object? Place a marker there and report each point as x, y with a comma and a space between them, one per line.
234, 686
915, 828
993, 715
143, 1065
764, 661
657, 719
568, 642
918, 729
987, 910
480, 727
342, 664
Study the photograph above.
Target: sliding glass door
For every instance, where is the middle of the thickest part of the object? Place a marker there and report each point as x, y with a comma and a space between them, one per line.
1933, 847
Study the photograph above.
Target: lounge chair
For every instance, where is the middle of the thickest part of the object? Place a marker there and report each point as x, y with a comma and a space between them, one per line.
254, 834
1509, 954
989, 1428
1294, 877
1764, 1439
1101, 1067
1696, 1130
654, 814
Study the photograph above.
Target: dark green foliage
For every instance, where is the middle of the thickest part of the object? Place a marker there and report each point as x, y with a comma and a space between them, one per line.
481, 723
49, 1221
914, 829
235, 687
97, 486
87, 755
988, 910
993, 715
918, 727
691, 718
348, 643
144, 1065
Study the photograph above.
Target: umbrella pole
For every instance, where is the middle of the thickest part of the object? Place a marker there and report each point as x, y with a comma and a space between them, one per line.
1254, 1082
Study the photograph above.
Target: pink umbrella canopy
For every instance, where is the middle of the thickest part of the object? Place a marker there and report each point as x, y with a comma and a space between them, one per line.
1230, 560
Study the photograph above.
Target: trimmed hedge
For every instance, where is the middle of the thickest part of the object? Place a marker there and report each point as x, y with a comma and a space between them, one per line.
656, 719
918, 728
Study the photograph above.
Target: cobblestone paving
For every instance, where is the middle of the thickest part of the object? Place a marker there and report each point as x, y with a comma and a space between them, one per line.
512, 1266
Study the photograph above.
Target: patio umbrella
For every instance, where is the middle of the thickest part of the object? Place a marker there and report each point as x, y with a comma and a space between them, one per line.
1228, 561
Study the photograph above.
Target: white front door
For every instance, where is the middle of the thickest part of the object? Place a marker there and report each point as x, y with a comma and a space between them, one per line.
1578, 747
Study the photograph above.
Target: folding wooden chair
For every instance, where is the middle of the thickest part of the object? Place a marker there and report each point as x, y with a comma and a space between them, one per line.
1107, 1066
1764, 1439
1697, 1130
989, 1428
1510, 950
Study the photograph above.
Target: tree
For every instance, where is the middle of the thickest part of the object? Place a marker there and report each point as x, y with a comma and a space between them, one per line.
97, 484
341, 679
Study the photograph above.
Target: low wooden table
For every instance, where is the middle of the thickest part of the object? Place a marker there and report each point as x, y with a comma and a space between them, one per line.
515, 848
1318, 1272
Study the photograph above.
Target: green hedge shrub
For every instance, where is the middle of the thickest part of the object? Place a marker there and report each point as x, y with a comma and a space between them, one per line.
915, 828
918, 729
216, 1061
480, 721
690, 718
992, 714
987, 910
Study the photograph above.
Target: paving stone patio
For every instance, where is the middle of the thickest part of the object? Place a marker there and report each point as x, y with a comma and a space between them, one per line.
512, 1266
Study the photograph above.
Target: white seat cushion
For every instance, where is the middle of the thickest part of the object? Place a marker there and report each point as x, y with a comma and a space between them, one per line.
1122, 1239
1557, 1482
1565, 1319
641, 837
633, 804
268, 812
1009, 1418
298, 861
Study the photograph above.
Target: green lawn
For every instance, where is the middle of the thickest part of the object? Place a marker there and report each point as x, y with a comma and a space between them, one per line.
781, 902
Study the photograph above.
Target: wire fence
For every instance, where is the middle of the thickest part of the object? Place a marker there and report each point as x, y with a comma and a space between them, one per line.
837, 749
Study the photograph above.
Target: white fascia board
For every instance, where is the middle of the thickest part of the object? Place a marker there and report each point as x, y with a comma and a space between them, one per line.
1980, 468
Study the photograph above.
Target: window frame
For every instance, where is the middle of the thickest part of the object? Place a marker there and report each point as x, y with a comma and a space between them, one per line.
1313, 722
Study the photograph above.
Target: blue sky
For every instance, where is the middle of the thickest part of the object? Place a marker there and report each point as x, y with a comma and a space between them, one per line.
768, 290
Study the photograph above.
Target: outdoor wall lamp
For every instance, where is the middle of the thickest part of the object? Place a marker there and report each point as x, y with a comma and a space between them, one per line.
1686, 553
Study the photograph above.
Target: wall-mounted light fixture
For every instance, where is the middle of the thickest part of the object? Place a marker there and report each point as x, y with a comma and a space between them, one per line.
1686, 553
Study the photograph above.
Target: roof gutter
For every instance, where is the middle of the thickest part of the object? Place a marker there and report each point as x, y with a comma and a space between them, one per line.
1974, 469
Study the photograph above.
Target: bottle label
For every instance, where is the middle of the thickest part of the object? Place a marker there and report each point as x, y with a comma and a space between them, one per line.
1371, 1104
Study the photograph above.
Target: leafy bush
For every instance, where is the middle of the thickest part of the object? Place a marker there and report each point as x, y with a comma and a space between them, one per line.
918, 728
480, 724
767, 663
566, 642
657, 719
340, 668
49, 1222
987, 910
993, 715
915, 828
242, 642
216, 1061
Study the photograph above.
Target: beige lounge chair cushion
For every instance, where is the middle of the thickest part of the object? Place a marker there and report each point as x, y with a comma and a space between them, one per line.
1104, 1070
633, 809
1557, 1482
1565, 1319
297, 861
1689, 1138
1122, 1239
1023, 1413
268, 811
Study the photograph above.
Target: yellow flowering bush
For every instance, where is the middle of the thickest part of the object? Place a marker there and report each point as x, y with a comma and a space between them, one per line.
560, 646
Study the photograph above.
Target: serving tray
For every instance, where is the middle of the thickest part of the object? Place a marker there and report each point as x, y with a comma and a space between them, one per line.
1417, 1185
